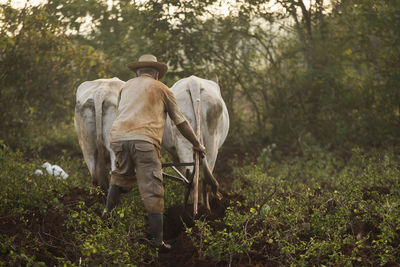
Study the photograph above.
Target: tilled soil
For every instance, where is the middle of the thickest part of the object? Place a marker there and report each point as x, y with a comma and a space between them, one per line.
57, 241
46, 227
45, 235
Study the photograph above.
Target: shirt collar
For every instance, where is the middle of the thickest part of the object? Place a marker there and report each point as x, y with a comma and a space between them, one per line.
148, 75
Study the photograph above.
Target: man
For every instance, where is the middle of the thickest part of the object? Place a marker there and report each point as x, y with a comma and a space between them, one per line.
136, 135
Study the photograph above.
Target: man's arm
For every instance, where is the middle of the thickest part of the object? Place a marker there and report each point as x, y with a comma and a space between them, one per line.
186, 130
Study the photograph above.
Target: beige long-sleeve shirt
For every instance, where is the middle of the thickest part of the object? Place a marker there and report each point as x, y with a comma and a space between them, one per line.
142, 111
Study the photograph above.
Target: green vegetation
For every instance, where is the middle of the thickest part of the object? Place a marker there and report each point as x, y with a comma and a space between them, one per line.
310, 166
53, 221
319, 209
323, 209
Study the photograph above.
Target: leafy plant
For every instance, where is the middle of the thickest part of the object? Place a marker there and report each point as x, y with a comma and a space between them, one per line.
236, 235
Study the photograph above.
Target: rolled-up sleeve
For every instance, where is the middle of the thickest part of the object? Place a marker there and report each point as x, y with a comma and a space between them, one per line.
172, 108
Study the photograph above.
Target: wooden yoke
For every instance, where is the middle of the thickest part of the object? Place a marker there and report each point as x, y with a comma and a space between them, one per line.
197, 163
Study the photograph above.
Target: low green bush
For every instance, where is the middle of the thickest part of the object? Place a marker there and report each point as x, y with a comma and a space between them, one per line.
321, 210
21, 190
223, 239
57, 221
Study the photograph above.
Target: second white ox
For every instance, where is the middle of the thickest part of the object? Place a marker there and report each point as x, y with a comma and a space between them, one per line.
95, 111
214, 120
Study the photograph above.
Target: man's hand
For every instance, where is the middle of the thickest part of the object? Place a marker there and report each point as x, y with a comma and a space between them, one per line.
200, 149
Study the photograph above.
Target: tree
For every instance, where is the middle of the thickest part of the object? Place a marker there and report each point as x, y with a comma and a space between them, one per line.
40, 70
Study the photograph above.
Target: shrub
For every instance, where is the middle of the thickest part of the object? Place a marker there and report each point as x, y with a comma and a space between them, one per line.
319, 210
54, 221
232, 235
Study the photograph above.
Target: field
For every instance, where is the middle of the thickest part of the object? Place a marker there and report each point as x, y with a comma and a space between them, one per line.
309, 170
322, 208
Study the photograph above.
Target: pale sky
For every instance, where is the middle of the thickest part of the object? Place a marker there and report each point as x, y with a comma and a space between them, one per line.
222, 8
21, 3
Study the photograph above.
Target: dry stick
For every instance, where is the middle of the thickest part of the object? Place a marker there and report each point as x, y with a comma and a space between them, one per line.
197, 161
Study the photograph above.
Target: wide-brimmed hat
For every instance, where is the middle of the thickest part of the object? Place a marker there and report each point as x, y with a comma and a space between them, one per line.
149, 61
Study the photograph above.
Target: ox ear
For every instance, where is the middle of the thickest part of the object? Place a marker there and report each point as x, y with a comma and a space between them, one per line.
215, 78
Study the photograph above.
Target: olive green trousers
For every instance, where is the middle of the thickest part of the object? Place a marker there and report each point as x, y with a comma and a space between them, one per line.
139, 162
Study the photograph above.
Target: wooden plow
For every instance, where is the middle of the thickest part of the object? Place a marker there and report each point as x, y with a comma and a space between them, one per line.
191, 179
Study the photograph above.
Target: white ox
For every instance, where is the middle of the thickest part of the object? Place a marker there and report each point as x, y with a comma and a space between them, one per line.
214, 126
95, 111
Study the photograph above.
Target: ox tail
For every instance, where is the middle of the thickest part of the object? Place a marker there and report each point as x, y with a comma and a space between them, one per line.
100, 179
194, 91
210, 179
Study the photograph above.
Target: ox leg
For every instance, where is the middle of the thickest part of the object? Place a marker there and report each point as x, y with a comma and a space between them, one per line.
209, 163
103, 146
205, 195
90, 160
187, 192
86, 131
108, 119
185, 154
112, 159
212, 152
112, 200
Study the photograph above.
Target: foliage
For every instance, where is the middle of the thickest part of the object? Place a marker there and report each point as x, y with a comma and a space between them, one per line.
40, 69
53, 221
236, 236
294, 75
320, 210
16, 173
115, 241
302, 83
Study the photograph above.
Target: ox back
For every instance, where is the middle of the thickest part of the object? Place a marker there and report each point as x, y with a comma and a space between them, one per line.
214, 120
95, 111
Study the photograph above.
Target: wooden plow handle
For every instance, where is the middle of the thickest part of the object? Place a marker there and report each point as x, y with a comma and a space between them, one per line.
197, 163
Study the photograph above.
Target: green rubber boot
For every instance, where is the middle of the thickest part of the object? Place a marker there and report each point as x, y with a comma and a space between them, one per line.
156, 232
